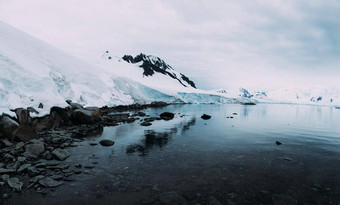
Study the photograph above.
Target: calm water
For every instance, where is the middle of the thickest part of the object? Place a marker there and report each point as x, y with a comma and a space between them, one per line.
234, 159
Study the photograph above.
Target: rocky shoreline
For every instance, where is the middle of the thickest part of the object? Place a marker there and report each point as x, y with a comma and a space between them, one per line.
32, 150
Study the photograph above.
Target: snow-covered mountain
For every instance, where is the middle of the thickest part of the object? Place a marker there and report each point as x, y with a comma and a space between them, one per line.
33, 72
152, 64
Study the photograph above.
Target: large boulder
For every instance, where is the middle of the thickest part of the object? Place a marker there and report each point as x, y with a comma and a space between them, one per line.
63, 114
24, 133
44, 123
7, 126
58, 116
86, 116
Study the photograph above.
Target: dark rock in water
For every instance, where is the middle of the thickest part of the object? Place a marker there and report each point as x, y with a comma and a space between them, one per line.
283, 199
49, 182
146, 123
214, 201
83, 116
7, 126
205, 117
15, 183
60, 154
278, 143
34, 150
131, 120
24, 133
172, 198
141, 114
247, 103
167, 115
106, 143
41, 106
32, 110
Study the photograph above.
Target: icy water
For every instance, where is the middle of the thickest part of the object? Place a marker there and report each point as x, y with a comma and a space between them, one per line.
235, 160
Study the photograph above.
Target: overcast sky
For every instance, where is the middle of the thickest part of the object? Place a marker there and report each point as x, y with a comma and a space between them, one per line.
217, 43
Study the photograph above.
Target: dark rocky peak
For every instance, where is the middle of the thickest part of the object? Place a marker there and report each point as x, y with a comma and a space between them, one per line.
153, 64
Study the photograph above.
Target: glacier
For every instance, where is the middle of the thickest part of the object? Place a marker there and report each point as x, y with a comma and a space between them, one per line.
34, 72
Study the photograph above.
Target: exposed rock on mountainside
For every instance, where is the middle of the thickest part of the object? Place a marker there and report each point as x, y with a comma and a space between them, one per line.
152, 64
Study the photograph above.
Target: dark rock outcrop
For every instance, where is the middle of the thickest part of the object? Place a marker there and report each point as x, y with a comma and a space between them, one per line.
153, 64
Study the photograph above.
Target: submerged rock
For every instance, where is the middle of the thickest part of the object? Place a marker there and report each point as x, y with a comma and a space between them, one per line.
34, 150
15, 183
60, 154
106, 143
167, 115
49, 182
278, 143
205, 117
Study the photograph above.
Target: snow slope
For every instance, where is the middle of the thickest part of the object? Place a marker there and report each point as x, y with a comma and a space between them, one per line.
33, 72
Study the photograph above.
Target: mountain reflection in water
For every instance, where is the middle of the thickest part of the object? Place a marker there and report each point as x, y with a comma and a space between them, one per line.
153, 139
